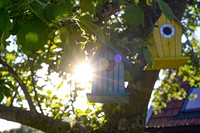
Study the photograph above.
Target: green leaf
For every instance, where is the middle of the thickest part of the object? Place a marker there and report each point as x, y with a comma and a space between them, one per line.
87, 24
32, 35
10, 56
5, 26
4, 20
86, 5
65, 60
4, 3
1, 96
1, 92
49, 92
147, 56
164, 7
72, 52
38, 8
6, 91
17, 4
55, 12
15, 27
149, 2
75, 32
136, 1
134, 15
6, 34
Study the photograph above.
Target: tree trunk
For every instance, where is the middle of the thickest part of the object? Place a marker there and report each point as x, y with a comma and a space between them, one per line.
130, 119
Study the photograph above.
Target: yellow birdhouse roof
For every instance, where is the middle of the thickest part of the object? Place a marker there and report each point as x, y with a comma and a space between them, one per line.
163, 19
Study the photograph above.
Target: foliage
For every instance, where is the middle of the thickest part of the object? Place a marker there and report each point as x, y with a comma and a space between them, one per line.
170, 86
41, 39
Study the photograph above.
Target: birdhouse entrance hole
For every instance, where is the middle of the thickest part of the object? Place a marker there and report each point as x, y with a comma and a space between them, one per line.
167, 30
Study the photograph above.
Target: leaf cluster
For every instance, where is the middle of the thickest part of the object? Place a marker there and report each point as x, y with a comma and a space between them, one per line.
42, 37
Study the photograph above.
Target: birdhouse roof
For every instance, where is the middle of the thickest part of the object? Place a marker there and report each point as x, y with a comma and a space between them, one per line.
175, 19
113, 49
149, 31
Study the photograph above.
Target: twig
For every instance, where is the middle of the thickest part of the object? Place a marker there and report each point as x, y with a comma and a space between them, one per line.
15, 94
33, 84
21, 83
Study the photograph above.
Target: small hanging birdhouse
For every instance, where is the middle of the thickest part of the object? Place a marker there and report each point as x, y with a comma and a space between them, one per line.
108, 77
165, 44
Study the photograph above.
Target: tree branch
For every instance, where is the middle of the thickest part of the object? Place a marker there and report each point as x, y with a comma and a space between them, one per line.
33, 119
33, 84
21, 83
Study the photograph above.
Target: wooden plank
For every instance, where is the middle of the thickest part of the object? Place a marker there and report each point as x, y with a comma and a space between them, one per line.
121, 99
171, 46
167, 63
116, 79
178, 30
168, 46
110, 74
164, 41
95, 78
105, 74
99, 74
158, 41
171, 41
121, 77
152, 46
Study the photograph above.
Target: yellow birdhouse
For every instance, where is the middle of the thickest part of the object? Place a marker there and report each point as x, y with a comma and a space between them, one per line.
165, 44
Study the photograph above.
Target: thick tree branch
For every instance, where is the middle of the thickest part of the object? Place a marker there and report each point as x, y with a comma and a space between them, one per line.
21, 83
33, 119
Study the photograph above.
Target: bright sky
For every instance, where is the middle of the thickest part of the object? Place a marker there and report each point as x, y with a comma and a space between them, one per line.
6, 125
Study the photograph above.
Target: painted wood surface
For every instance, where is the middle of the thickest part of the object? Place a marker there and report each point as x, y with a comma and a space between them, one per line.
166, 63
104, 76
157, 40
164, 41
178, 39
166, 52
110, 75
152, 46
171, 44
108, 85
166, 47
121, 77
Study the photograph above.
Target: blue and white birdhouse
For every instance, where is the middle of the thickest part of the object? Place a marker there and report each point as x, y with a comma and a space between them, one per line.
108, 77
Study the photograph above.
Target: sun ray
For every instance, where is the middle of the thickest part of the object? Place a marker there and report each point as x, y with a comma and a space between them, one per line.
83, 73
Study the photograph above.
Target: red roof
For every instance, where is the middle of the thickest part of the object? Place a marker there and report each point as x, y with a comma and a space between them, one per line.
171, 116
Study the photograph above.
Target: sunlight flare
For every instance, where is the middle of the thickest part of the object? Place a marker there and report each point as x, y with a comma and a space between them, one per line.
83, 73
